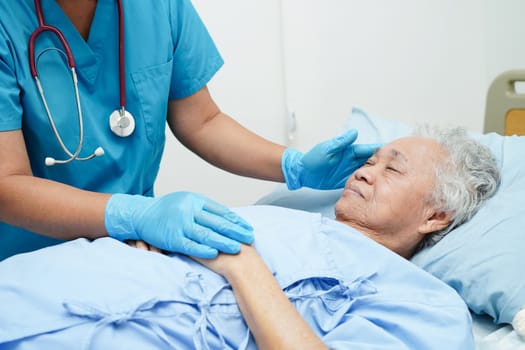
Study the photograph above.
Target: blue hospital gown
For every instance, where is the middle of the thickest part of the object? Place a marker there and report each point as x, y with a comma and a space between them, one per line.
353, 292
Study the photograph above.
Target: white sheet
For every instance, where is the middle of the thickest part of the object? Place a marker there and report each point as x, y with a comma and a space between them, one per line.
490, 336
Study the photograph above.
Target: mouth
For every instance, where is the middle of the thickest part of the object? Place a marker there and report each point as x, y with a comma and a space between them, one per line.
352, 189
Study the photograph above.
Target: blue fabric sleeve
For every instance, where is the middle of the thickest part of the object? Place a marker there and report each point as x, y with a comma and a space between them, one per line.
195, 57
10, 106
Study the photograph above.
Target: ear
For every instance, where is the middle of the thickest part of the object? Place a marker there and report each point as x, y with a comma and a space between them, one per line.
437, 220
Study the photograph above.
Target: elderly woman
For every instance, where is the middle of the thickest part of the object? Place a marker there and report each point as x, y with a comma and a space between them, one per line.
340, 284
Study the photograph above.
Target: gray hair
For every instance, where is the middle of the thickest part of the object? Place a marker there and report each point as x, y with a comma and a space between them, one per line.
464, 182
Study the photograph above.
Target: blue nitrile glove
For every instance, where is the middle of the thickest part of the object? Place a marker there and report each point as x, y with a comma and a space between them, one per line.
183, 222
328, 165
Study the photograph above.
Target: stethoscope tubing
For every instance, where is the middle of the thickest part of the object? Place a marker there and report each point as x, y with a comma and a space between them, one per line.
80, 119
32, 40
67, 52
42, 27
121, 55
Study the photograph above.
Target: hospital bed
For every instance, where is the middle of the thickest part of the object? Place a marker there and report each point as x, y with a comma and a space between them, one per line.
484, 258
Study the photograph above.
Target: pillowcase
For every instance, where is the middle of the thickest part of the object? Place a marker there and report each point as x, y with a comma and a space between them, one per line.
483, 258
374, 129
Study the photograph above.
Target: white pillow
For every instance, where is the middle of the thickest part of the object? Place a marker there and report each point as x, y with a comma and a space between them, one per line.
374, 129
483, 259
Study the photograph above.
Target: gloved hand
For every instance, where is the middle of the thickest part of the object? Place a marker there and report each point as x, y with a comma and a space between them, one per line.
328, 165
183, 222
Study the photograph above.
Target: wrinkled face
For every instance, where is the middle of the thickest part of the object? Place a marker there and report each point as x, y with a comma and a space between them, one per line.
388, 197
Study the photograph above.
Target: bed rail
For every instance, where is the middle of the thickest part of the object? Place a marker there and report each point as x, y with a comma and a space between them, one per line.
505, 106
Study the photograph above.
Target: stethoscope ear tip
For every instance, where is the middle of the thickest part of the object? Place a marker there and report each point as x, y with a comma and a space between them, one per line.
99, 152
50, 161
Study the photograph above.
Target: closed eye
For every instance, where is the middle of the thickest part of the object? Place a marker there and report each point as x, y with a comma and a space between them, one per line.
392, 169
370, 161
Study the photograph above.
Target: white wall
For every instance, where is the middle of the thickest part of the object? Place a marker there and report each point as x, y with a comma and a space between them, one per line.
409, 60
503, 36
248, 87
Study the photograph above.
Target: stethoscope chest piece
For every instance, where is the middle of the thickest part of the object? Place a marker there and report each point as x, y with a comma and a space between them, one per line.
122, 123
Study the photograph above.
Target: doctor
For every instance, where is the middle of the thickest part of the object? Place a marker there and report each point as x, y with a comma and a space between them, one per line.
86, 89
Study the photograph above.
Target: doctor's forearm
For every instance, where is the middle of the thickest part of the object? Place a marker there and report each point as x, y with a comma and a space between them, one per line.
51, 208
241, 151
199, 124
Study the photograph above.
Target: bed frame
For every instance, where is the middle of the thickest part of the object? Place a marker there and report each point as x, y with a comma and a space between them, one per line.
505, 108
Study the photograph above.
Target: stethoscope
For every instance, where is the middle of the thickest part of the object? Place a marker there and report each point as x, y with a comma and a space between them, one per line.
121, 122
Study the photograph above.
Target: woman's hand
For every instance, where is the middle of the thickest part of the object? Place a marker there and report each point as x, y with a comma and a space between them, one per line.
179, 222
143, 245
275, 324
228, 264
328, 165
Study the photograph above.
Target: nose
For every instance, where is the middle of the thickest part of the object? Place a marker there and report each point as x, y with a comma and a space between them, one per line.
365, 173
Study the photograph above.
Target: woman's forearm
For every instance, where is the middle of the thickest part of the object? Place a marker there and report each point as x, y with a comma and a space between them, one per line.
199, 124
273, 321
51, 208
44, 206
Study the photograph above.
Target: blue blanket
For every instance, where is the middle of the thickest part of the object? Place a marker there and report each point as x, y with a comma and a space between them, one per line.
353, 292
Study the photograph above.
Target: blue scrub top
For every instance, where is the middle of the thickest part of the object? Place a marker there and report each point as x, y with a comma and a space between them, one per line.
169, 54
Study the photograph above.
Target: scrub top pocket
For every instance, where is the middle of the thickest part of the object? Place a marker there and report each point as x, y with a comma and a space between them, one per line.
152, 86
